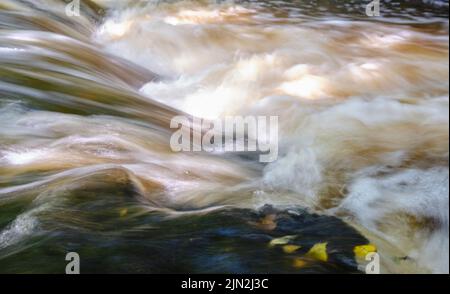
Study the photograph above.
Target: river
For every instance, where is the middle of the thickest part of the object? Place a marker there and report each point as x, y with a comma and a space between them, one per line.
85, 163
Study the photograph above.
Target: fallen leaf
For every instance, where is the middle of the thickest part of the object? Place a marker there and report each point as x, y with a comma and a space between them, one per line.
123, 212
281, 241
290, 248
268, 222
362, 250
318, 251
299, 262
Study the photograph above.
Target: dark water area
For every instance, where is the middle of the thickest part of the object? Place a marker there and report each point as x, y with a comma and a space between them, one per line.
114, 230
228, 241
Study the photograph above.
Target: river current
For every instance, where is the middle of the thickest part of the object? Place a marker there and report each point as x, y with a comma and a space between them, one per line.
85, 162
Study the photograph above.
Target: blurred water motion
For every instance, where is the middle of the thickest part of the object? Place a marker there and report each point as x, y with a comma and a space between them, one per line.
85, 109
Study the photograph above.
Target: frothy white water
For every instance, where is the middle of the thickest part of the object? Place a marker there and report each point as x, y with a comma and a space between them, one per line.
70, 145
407, 207
21, 227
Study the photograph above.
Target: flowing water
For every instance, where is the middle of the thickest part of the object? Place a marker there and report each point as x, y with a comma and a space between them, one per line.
85, 161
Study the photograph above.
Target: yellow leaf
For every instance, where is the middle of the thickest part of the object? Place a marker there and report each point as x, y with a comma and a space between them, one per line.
290, 248
299, 262
281, 241
319, 252
123, 212
362, 250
